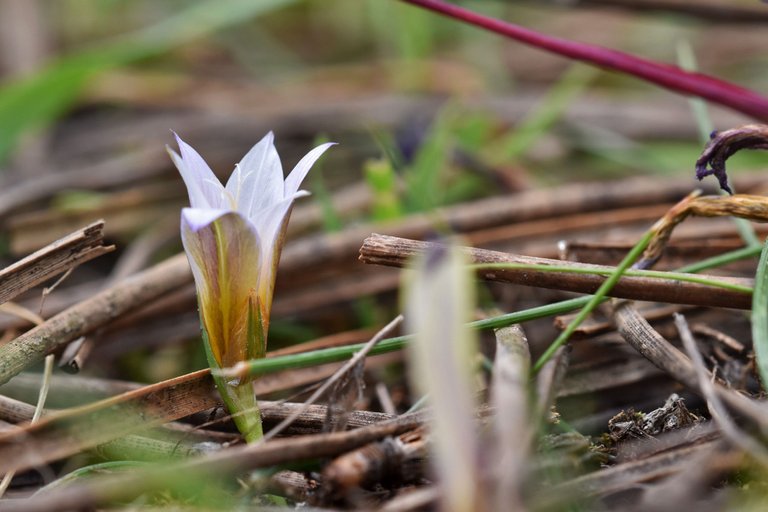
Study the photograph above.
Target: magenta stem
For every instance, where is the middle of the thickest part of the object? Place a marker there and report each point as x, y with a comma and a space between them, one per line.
664, 75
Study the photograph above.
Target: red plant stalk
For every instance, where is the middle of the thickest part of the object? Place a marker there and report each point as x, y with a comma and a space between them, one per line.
665, 75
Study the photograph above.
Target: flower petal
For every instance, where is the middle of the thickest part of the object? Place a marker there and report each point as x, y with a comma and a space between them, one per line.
293, 181
258, 179
272, 223
224, 256
198, 218
205, 190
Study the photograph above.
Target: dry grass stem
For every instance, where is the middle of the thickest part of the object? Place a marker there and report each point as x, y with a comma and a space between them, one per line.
512, 425
347, 367
228, 462
392, 251
95, 312
627, 475
639, 334
730, 430
53, 259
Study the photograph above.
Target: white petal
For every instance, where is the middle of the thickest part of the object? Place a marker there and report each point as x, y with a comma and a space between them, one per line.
198, 218
271, 223
197, 198
293, 181
259, 182
205, 190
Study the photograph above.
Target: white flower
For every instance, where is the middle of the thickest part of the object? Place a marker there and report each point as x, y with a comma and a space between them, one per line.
233, 236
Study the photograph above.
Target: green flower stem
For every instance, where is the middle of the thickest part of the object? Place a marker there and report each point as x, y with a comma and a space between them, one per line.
330, 355
239, 398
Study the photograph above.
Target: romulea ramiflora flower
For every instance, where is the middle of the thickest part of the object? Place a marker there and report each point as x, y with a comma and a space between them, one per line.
233, 235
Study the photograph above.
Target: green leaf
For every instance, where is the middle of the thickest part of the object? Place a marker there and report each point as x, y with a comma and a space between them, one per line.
382, 181
760, 316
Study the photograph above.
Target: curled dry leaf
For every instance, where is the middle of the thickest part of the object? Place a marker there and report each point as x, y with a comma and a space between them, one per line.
723, 145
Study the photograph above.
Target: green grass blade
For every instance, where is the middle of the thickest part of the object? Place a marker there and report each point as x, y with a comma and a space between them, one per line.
653, 274
382, 181
547, 112
335, 354
598, 297
760, 316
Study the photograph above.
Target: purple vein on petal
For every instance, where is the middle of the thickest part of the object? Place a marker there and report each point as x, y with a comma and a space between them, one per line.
225, 258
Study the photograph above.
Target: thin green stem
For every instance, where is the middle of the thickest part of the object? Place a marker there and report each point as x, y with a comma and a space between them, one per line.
91, 470
596, 299
760, 316
687, 60
335, 354
653, 274
722, 259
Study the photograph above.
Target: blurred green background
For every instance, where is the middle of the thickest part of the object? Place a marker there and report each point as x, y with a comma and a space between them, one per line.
428, 113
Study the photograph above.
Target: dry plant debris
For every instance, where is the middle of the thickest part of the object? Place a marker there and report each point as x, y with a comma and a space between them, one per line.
640, 409
377, 457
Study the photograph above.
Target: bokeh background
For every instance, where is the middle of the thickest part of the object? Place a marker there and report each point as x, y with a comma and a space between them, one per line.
431, 116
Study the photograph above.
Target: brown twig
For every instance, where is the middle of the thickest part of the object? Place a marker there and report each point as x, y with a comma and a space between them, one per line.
392, 251
62, 434
95, 312
625, 476
717, 409
346, 367
605, 372
60, 256
640, 335
69, 432
532, 205
308, 420
754, 208
399, 458
16, 411
226, 462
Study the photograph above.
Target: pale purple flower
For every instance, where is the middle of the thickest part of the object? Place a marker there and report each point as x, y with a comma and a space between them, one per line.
233, 236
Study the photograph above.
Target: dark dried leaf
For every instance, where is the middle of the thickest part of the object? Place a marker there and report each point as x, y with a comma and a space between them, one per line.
723, 145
